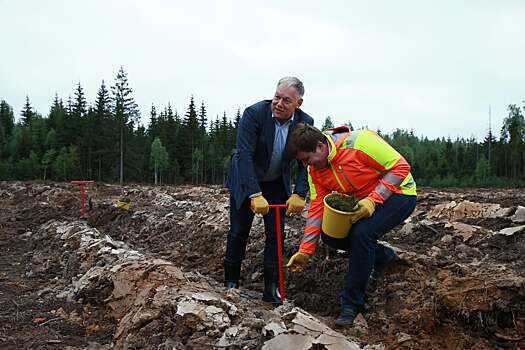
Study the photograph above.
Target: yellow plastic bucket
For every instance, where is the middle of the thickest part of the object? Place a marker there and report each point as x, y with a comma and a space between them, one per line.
123, 205
336, 223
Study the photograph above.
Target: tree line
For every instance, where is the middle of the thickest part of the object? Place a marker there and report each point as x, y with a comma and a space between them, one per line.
443, 162
105, 141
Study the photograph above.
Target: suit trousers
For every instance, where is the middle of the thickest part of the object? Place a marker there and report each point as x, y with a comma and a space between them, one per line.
241, 223
365, 253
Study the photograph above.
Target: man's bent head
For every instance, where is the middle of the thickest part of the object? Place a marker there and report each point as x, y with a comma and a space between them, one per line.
309, 145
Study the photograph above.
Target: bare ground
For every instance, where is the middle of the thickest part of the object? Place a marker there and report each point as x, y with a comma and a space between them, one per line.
461, 284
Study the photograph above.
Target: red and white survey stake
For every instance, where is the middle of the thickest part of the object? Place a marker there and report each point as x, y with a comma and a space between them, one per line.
82, 183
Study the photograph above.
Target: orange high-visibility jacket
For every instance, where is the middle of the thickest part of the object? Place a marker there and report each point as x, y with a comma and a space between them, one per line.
360, 163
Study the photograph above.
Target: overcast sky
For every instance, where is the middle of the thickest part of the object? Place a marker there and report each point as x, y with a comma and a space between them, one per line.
431, 66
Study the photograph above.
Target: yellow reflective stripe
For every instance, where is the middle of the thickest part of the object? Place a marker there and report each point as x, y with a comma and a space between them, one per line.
313, 192
337, 177
377, 148
333, 148
408, 186
346, 178
409, 181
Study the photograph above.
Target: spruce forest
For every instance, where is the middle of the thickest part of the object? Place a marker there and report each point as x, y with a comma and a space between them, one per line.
104, 140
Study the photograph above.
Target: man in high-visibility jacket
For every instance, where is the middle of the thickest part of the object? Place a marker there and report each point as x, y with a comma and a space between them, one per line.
362, 164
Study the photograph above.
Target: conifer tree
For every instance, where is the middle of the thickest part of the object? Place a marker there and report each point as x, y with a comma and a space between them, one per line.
188, 140
3, 142
102, 129
237, 118
27, 113
71, 129
38, 133
80, 103
327, 123
7, 118
79, 130
202, 142
236, 125
153, 123
489, 143
125, 112
56, 120
138, 155
203, 122
513, 135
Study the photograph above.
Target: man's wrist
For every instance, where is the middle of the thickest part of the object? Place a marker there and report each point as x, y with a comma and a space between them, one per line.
255, 195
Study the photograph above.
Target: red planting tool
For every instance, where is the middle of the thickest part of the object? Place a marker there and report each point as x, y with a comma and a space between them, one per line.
279, 246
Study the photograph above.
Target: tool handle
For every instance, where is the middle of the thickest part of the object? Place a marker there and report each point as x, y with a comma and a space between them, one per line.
278, 206
279, 246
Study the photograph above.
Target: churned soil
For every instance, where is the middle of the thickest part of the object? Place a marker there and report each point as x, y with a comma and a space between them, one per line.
459, 285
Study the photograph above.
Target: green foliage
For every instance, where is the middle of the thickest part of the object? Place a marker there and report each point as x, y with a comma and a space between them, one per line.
47, 160
66, 164
19, 145
126, 114
6, 171
408, 153
3, 142
342, 202
197, 157
513, 135
102, 140
189, 139
27, 113
328, 124
482, 172
158, 158
202, 118
28, 168
7, 118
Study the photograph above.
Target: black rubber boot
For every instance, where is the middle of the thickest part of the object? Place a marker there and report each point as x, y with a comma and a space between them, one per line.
346, 317
231, 275
271, 292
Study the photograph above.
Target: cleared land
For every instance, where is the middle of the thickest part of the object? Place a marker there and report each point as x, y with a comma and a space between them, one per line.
151, 277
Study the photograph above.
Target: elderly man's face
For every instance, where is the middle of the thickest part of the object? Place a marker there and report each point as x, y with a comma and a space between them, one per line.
285, 101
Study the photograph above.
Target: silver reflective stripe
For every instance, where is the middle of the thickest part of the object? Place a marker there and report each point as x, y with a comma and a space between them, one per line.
338, 136
383, 191
410, 183
317, 222
310, 238
335, 134
393, 179
350, 141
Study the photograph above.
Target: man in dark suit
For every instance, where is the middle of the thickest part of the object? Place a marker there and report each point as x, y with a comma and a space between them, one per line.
260, 174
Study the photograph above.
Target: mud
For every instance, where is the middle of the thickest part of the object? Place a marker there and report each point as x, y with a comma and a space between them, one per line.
460, 284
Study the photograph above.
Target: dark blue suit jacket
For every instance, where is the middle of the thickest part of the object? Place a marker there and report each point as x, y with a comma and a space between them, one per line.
249, 163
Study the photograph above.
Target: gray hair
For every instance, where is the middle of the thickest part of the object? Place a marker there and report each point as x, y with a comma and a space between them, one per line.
292, 82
